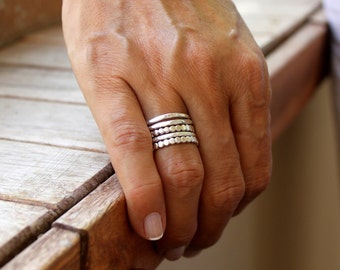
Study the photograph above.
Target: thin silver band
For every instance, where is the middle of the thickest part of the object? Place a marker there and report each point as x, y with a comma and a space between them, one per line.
168, 123
167, 116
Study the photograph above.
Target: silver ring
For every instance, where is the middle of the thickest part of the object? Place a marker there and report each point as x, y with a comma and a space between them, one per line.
168, 123
172, 141
172, 135
171, 128
167, 116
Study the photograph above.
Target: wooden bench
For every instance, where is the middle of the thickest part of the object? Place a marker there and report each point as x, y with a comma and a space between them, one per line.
60, 201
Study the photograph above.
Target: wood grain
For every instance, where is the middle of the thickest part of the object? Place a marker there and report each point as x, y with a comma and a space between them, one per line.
19, 226
271, 22
15, 218
63, 125
39, 84
102, 215
45, 175
29, 54
39, 183
58, 249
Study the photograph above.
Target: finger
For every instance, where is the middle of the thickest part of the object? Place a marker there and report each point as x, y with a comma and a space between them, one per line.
223, 185
181, 170
251, 125
120, 119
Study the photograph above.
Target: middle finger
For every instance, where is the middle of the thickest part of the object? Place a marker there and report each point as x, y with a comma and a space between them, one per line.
181, 171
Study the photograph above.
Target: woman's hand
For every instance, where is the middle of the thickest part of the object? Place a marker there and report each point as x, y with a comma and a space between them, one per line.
138, 59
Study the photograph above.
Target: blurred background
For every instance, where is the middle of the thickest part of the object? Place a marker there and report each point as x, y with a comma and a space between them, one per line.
295, 223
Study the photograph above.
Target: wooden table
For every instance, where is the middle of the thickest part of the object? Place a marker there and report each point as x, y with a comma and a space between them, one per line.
60, 201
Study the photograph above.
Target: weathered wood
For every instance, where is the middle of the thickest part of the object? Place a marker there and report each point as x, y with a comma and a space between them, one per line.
39, 84
15, 218
58, 249
45, 182
63, 125
271, 21
17, 17
102, 214
19, 226
295, 71
45, 175
30, 54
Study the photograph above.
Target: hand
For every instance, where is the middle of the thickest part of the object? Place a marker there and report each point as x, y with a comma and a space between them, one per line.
138, 59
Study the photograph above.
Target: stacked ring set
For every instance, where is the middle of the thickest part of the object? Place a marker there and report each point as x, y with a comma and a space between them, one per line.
171, 128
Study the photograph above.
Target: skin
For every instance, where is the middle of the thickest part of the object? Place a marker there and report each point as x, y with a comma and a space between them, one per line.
138, 59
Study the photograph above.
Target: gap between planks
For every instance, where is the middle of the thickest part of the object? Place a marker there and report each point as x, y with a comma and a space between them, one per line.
27, 236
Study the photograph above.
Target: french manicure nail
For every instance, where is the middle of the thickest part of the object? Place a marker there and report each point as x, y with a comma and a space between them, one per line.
153, 226
175, 254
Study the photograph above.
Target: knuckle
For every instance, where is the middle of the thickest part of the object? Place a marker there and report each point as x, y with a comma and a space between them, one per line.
252, 60
199, 54
258, 178
227, 199
136, 192
128, 135
186, 174
96, 48
255, 188
254, 66
96, 52
255, 84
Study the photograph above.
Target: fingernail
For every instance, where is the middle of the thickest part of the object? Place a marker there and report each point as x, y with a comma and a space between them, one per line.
153, 226
175, 254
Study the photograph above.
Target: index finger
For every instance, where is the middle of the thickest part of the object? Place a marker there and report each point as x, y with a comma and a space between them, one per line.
128, 141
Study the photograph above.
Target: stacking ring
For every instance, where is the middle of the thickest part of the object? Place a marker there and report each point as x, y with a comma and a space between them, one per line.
171, 128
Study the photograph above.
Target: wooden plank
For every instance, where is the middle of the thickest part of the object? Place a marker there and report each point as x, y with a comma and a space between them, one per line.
38, 184
39, 84
102, 214
17, 17
295, 70
29, 53
16, 217
272, 21
63, 125
19, 226
56, 250
49, 176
